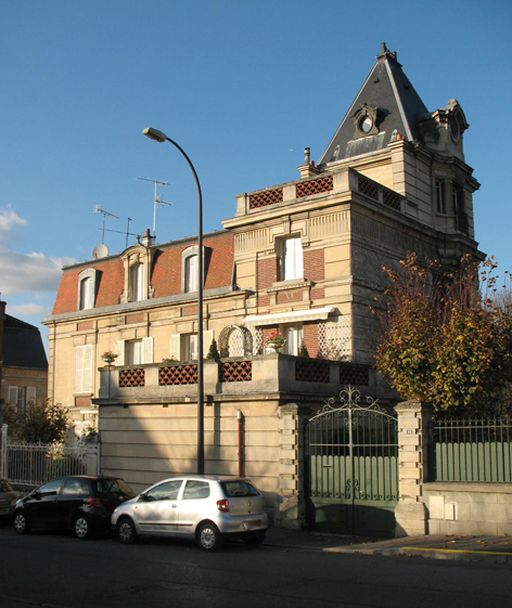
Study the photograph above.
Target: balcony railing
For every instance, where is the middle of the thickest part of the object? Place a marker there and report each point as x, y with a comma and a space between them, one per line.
270, 373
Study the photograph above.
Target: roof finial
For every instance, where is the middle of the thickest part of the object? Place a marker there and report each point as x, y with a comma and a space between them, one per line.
386, 53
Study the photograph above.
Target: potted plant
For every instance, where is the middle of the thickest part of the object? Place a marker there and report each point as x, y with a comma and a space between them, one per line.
275, 342
109, 357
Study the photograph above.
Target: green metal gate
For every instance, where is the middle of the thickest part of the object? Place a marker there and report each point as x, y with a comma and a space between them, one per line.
351, 466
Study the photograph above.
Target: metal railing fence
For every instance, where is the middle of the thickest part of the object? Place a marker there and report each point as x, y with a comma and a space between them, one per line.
34, 463
473, 450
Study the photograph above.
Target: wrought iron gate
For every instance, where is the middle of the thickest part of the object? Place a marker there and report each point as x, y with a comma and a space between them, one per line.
351, 466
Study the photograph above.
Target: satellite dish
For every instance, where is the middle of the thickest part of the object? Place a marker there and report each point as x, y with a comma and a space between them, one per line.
100, 251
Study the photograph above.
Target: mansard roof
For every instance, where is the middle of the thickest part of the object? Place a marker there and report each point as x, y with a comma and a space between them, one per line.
23, 346
165, 277
392, 106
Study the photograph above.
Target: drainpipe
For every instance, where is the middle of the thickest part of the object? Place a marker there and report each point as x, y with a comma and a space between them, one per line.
241, 454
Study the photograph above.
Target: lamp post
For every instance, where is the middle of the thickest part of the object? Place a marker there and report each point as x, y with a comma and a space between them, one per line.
160, 137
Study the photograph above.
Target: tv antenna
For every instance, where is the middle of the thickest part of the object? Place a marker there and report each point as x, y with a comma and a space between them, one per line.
156, 200
105, 214
126, 232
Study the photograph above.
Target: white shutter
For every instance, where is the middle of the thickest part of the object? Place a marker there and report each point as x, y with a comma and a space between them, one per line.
147, 350
207, 341
120, 352
175, 347
83, 369
31, 394
79, 366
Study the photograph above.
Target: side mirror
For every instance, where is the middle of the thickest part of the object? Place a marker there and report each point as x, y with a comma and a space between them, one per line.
145, 498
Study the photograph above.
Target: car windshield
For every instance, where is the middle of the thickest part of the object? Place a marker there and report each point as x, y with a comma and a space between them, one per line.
232, 489
113, 486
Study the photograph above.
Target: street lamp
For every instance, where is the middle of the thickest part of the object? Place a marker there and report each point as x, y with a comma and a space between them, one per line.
160, 137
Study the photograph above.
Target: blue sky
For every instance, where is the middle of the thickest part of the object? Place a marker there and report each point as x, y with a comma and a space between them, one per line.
242, 85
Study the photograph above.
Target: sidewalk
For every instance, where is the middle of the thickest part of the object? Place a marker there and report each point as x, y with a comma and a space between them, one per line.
473, 548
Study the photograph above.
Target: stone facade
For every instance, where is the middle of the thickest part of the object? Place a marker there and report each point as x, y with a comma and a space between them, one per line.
303, 258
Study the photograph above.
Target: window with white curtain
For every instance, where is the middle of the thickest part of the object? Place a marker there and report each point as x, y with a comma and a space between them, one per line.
191, 273
87, 288
137, 283
291, 259
133, 353
189, 347
294, 336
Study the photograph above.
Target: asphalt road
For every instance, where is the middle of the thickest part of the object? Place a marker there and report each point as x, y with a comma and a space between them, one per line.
58, 571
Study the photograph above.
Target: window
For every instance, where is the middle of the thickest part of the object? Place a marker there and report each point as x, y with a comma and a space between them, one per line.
136, 283
294, 337
459, 208
196, 489
189, 347
191, 274
75, 486
133, 354
85, 297
440, 197
291, 260
50, 488
16, 397
83, 368
86, 289
190, 268
165, 491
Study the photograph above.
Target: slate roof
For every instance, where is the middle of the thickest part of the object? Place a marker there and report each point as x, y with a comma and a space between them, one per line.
398, 105
23, 346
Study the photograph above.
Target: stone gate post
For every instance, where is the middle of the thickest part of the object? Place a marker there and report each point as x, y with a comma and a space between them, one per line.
291, 510
414, 439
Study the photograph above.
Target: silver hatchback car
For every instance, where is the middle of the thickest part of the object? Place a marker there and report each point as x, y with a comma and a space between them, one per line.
206, 508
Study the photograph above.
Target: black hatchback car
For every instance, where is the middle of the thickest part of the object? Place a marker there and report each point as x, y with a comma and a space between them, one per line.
82, 504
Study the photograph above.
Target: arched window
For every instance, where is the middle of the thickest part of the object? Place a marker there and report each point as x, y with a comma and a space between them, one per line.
136, 283
190, 269
86, 289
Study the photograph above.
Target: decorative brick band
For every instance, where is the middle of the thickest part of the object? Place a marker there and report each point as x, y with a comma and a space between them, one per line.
314, 186
133, 377
177, 374
266, 197
235, 371
354, 374
311, 370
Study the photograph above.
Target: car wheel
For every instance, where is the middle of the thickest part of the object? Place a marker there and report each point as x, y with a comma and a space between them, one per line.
20, 523
82, 527
209, 537
125, 531
254, 538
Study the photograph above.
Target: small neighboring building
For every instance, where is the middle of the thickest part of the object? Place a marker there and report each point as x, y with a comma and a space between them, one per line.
304, 259
23, 362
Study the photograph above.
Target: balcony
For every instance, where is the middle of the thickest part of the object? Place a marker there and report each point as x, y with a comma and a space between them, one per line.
275, 375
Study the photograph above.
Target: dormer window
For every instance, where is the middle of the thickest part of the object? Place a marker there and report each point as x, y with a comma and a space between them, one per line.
190, 268
137, 270
86, 289
365, 121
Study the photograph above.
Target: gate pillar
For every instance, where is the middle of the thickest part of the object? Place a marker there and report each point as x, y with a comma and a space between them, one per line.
414, 439
291, 508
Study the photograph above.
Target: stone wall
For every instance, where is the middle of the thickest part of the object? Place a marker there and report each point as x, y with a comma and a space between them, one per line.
468, 508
